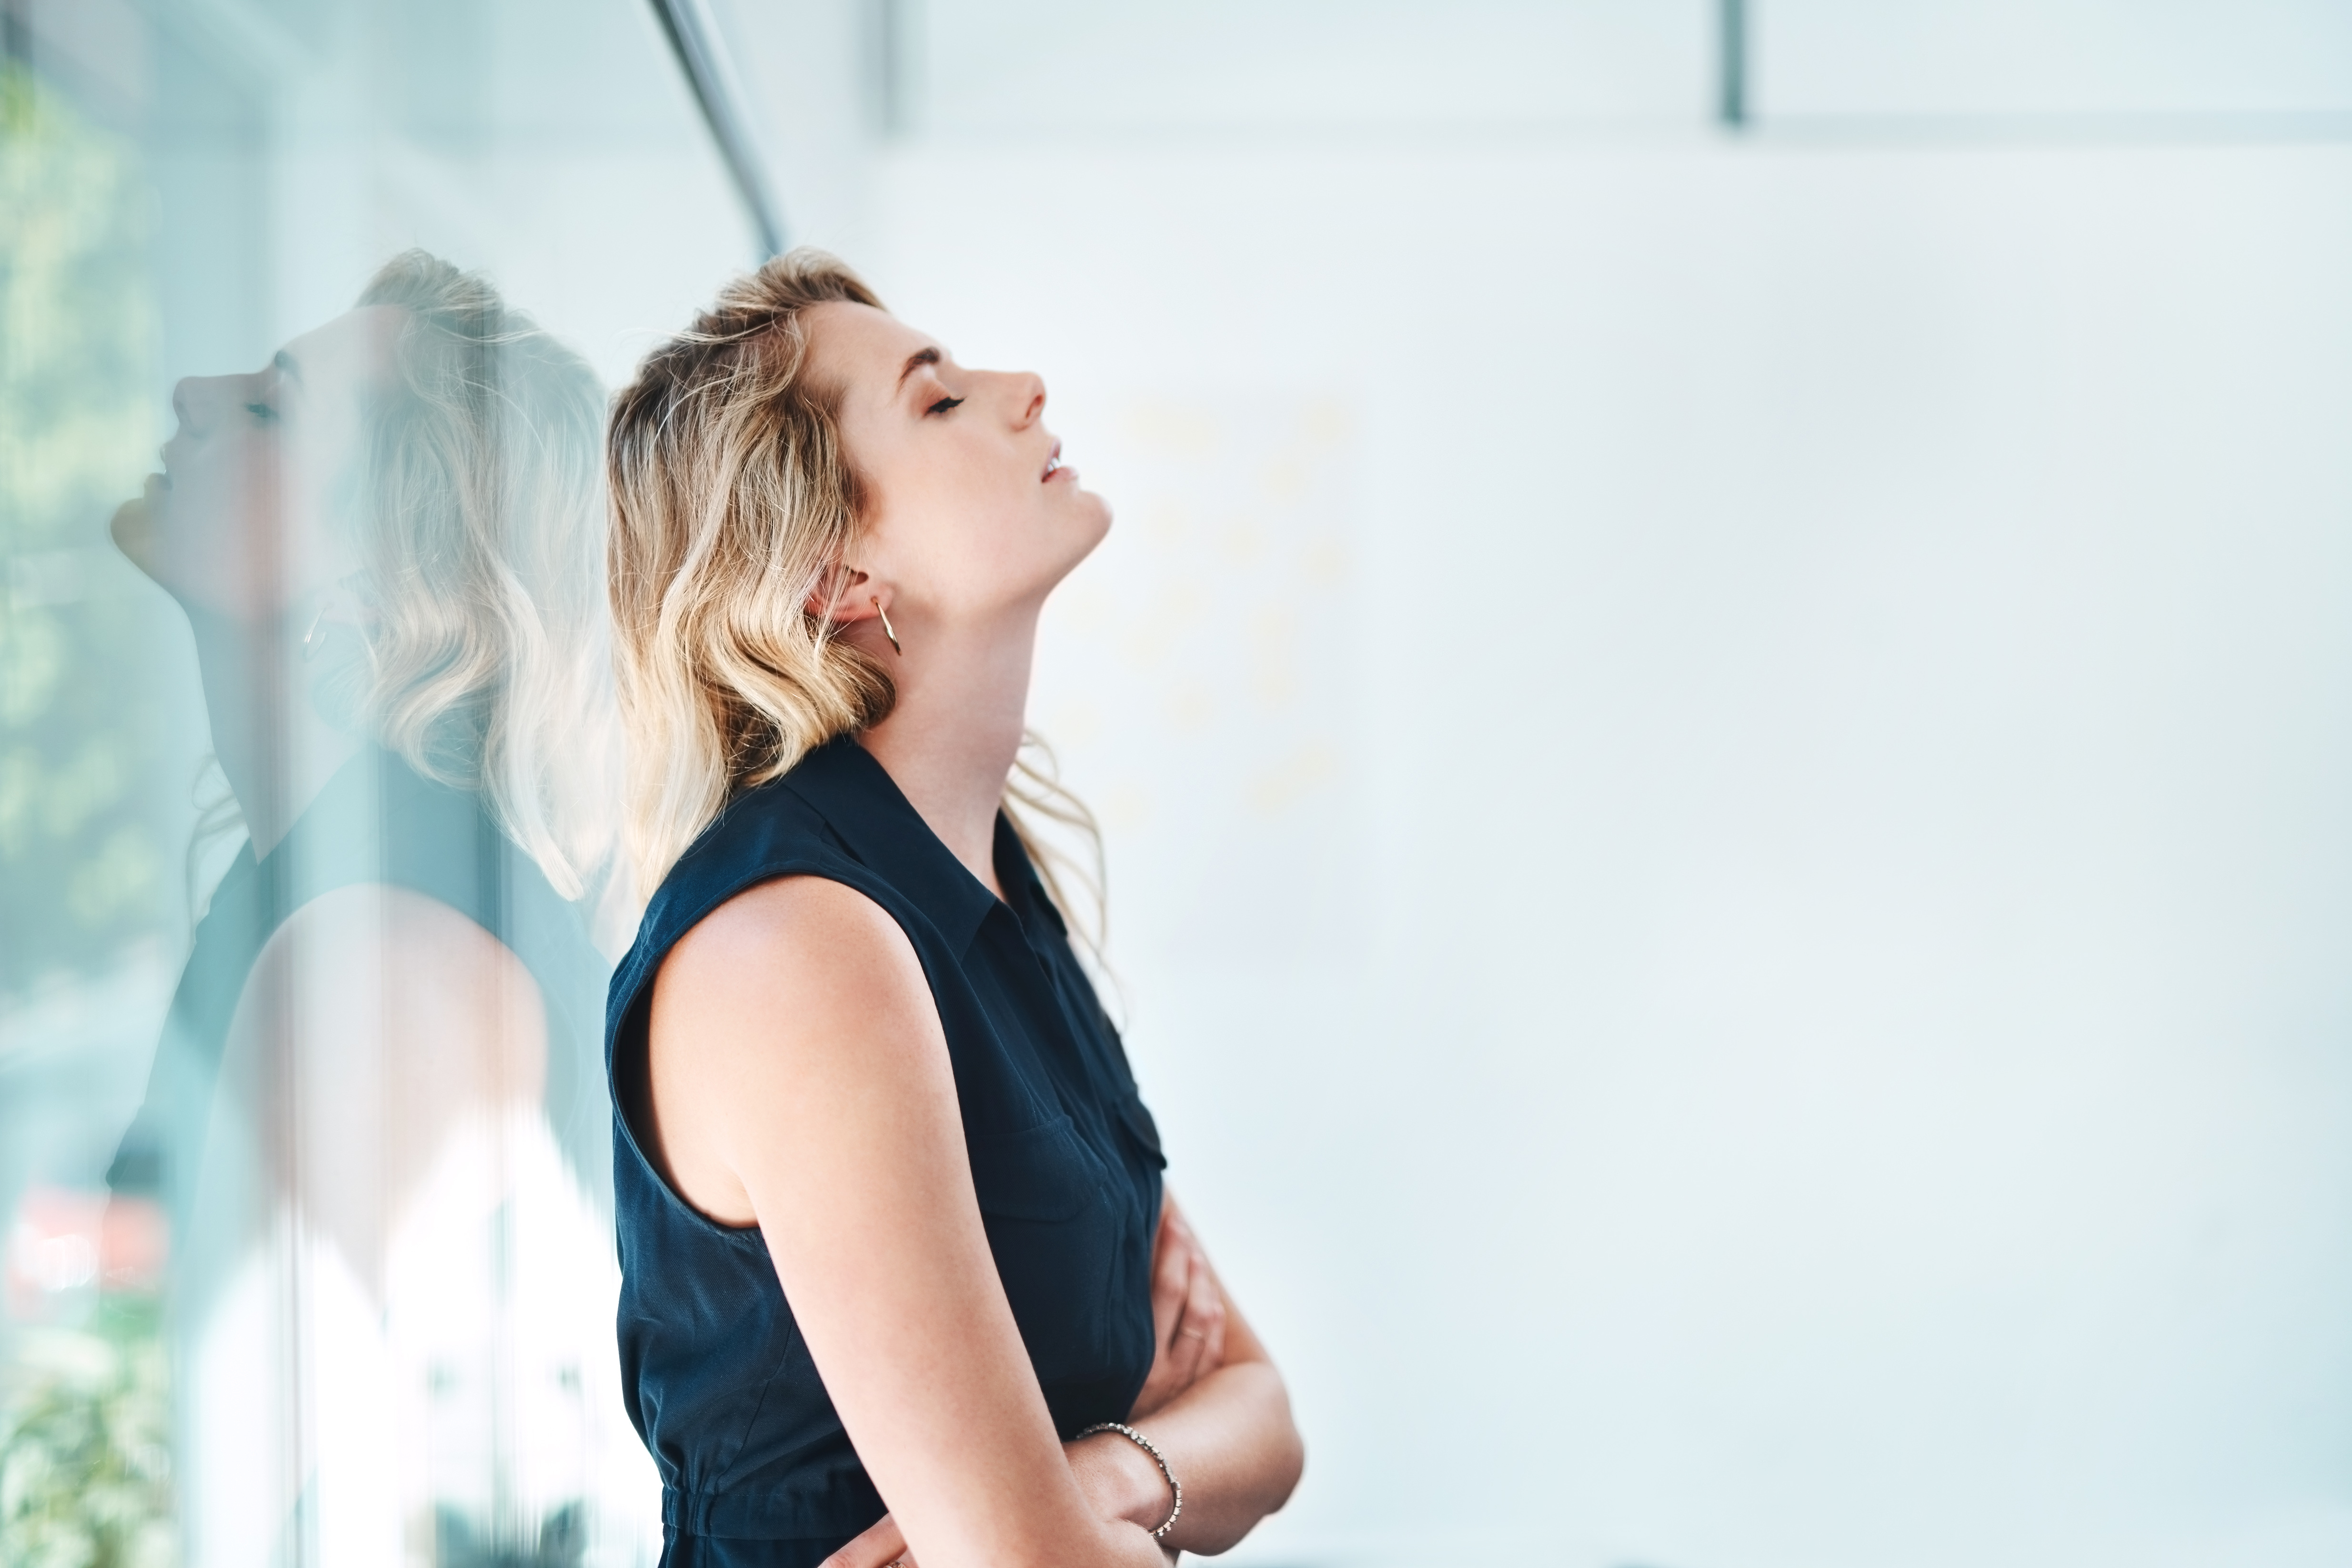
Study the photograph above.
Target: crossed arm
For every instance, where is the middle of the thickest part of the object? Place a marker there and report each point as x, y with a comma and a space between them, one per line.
799, 1079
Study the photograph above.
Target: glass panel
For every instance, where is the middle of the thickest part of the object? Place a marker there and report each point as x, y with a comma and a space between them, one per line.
305, 763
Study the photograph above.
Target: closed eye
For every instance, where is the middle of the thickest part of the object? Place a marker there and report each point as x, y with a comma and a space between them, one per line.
944, 404
261, 411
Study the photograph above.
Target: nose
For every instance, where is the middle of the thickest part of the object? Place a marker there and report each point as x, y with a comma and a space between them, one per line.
196, 400
1028, 396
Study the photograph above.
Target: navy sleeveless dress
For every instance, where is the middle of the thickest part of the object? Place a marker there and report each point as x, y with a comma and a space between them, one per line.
375, 821
756, 1468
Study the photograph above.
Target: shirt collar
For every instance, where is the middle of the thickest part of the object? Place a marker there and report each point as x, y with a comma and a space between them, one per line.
863, 807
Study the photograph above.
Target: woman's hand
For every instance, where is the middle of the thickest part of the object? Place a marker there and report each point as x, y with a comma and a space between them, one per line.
1118, 1492
880, 1545
1188, 1314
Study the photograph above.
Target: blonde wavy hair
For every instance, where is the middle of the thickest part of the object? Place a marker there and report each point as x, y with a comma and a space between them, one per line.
488, 663
733, 503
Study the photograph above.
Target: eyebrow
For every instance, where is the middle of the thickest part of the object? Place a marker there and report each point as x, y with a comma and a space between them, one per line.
285, 362
918, 358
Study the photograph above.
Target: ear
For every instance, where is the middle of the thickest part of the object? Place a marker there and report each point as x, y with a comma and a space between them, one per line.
845, 595
340, 608
346, 602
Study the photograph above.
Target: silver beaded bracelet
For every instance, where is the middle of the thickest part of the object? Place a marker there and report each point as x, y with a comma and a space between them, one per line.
1175, 1486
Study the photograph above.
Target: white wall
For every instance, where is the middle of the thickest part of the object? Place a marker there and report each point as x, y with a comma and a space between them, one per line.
2075, 61
1727, 777
1726, 761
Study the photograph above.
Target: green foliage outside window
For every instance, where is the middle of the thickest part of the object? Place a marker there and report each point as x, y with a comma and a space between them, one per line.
85, 869
85, 1456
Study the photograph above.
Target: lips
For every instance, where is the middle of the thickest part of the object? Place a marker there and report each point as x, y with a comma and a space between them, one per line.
1053, 464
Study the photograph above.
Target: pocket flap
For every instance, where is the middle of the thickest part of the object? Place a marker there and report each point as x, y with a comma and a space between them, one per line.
1043, 1173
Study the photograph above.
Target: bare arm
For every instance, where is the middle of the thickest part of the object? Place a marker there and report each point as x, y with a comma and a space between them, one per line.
799, 1077
1229, 1439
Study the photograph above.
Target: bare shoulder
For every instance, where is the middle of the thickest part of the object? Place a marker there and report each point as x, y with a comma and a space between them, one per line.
372, 971
373, 938
788, 927
797, 997
789, 957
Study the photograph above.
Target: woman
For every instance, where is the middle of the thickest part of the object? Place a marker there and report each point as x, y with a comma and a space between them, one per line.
892, 1223
372, 1075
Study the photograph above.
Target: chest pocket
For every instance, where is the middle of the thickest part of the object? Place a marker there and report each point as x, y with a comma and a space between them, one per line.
1053, 1225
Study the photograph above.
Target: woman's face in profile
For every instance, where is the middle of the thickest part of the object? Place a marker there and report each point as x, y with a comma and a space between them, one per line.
967, 510
244, 520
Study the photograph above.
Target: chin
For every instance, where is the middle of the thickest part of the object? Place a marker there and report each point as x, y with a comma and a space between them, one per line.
1099, 511
1098, 530
132, 530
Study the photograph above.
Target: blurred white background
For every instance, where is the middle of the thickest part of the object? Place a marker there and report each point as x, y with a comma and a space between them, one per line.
1725, 752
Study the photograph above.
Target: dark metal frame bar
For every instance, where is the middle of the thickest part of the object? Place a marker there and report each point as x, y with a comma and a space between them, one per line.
702, 57
1731, 64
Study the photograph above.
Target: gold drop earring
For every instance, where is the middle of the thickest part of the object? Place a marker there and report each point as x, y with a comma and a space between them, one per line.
886, 628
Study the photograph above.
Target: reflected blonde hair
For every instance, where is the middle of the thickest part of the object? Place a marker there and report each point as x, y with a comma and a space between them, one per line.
489, 663
733, 504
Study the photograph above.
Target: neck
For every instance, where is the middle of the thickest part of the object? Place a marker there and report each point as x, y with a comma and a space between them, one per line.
950, 742
274, 748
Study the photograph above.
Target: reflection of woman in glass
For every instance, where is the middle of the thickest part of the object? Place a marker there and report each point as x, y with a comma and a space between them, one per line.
387, 545
892, 1226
